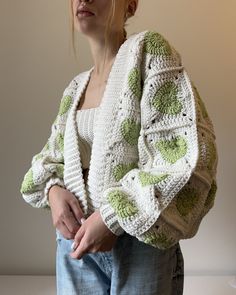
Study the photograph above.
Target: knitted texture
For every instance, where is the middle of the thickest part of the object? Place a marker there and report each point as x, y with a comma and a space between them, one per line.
86, 118
47, 167
154, 158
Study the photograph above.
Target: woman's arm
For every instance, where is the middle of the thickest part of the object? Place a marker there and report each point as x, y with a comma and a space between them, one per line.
165, 198
47, 167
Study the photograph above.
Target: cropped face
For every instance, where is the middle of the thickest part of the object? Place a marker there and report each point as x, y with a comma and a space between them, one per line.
95, 23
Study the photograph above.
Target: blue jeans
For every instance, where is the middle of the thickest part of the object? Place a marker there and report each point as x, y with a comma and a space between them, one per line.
130, 268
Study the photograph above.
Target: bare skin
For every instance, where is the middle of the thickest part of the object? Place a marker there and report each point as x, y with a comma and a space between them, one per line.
66, 211
92, 235
92, 96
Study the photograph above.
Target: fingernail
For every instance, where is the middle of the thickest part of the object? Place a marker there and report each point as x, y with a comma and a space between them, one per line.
82, 220
73, 246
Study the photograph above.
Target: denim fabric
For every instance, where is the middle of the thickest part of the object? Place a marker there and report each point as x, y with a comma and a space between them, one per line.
130, 268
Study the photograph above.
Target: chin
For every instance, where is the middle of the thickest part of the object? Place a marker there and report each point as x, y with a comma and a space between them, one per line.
85, 30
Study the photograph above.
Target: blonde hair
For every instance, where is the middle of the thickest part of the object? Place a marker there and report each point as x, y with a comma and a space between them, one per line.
107, 30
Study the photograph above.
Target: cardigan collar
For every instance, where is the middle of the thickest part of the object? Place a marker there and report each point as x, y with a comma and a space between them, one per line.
125, 59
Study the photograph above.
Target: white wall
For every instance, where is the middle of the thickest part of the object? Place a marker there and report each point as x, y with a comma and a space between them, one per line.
36, 65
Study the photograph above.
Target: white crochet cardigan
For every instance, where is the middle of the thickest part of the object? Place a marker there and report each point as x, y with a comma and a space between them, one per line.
154, 158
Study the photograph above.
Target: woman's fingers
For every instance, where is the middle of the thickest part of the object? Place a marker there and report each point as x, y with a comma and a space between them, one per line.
73, 246
70, 221
66, 211
78, 237
79, 252
63, 229
75, 207
79, 245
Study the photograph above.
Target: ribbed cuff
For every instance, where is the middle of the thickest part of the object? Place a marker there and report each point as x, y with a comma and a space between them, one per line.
109, 218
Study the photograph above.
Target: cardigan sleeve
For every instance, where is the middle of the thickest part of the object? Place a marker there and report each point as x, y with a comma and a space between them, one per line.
47, 166
165, 197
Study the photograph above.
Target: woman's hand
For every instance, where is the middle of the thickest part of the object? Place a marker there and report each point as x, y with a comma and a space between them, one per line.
66, 211
93, 236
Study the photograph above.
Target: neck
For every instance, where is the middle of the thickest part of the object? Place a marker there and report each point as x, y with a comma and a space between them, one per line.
97, 49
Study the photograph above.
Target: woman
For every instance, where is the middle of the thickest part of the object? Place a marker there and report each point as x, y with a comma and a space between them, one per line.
130, 166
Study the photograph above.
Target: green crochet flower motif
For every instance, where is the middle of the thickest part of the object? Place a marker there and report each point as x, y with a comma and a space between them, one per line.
172, 150
60, 170
158, 240
121, 169
60, 142
122, 205
55, 121
28, 182
130, 131
38, 156
211, 194
201, 103
186, 200
156, 44
46, 147
166, 100
134, 81
147, 178
212, 154
65, 104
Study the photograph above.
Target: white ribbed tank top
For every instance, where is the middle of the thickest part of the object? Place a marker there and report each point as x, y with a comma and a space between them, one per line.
85, 119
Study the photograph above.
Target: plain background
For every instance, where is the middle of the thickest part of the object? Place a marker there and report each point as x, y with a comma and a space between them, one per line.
37, 64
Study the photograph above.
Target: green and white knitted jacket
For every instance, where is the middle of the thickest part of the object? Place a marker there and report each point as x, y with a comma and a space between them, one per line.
154, 157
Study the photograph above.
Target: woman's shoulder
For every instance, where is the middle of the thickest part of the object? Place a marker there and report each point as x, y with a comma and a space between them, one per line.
153, 38
158, 49
74, 82
75, 79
